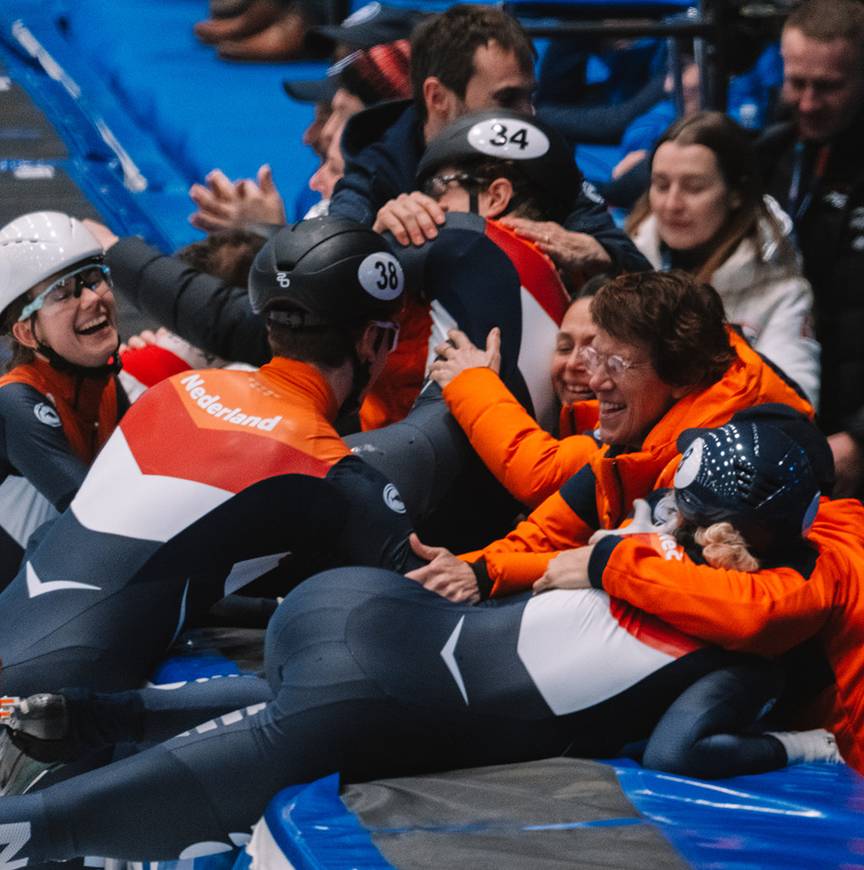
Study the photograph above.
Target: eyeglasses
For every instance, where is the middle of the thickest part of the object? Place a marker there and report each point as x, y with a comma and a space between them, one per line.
93, 276
614, 364
438, 185
393, 329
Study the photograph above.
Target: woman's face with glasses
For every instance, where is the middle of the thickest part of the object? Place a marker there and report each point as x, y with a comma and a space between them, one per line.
73, 312
632, 395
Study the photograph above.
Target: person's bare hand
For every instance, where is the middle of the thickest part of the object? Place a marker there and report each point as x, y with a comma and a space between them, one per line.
223, 204
576, 254
142, 339
445, 574
106, 237
568, 570
412, 218
848, 465
260, 200
460, 354
628, 161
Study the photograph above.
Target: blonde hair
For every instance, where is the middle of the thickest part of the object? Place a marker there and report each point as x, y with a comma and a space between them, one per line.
724, 547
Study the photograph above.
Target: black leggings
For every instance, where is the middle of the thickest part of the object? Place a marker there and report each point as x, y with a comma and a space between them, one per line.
693, 736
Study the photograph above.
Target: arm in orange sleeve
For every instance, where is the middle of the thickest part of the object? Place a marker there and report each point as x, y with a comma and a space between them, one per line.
564, 521
766, 612
528, 462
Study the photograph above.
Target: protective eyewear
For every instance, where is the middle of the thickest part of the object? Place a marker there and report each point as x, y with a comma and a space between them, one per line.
438, 185
614, 364
393, 330
93, 276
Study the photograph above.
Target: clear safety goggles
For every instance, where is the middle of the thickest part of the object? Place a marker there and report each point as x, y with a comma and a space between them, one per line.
58, 294
437, 185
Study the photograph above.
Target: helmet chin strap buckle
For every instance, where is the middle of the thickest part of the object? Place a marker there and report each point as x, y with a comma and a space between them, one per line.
62, 364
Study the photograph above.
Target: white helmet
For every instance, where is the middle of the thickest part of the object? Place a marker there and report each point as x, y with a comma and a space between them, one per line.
38, 245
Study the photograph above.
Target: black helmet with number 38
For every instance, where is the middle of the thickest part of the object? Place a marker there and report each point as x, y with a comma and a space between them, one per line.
533, 148
326, 272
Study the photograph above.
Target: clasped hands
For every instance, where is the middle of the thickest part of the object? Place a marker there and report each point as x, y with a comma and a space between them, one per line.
453, 579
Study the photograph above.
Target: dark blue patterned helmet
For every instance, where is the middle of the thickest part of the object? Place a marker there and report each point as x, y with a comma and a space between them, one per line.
754, 473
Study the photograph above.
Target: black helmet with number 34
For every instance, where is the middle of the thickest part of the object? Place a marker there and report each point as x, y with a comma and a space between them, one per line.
326, 272
532, 148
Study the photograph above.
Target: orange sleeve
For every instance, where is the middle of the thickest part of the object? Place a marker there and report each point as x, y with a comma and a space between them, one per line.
528, 462
513, 563
766, 612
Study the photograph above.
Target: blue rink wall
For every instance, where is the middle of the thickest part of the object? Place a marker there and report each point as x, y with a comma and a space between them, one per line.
145, 110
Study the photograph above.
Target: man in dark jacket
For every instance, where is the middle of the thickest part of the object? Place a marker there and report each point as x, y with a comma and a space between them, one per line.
466, 59
813, 167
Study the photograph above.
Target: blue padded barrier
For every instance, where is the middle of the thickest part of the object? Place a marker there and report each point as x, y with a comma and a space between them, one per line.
805, 816
203, 112
179, 669
145, 110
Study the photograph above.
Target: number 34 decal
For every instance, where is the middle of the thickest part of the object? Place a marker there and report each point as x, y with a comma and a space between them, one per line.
510, 140
502, 136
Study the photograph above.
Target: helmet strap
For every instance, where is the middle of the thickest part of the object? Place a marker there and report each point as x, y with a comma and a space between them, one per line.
63, 365
361, 375
111, 367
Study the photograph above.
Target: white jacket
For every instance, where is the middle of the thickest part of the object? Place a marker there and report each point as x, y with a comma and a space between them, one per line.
765, 293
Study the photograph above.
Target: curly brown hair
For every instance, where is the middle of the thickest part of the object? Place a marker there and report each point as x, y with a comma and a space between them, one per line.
679, 319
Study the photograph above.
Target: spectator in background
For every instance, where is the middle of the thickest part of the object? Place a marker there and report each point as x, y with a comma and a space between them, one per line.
363, 78
274, 30
587, 107
705, 213
464, 60
813, 166
752, 99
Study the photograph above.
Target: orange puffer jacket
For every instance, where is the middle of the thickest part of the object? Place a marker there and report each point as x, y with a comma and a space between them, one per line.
529, 463
766, 612
600, 494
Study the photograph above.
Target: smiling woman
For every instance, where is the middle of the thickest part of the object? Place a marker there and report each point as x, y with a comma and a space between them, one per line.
652, 349
705, 213
663, 360
60, 400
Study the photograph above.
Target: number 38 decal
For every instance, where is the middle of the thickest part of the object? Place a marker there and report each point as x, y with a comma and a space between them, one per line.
505, 138
381, 276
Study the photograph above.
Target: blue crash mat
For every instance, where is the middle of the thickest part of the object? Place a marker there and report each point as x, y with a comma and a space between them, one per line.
805, 816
